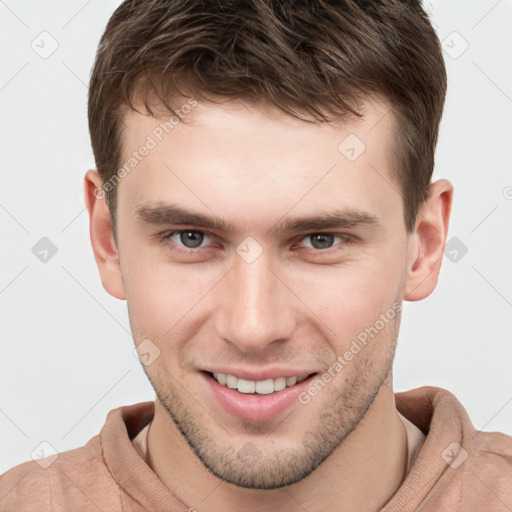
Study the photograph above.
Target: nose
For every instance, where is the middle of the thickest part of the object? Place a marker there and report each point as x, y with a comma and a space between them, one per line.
256, 309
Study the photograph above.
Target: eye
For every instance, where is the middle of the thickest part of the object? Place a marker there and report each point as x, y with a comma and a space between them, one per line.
189, 239
323, 241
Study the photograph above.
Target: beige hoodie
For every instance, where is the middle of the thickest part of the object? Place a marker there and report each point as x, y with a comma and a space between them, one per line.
457, 468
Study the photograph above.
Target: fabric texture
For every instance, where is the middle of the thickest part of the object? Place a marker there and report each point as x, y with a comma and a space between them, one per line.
455, 468
415, 440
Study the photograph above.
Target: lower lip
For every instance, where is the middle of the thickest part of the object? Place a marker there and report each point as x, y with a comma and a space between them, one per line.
255, 407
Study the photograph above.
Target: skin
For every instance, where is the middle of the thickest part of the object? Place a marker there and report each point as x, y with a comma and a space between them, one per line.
297, 305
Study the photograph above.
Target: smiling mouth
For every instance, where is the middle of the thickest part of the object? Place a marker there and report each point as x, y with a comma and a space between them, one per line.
261, 387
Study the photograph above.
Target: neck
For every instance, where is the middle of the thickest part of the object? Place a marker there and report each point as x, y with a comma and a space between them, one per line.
362, 474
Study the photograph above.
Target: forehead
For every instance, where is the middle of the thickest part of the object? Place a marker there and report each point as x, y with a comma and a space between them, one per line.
237, 158
260, 121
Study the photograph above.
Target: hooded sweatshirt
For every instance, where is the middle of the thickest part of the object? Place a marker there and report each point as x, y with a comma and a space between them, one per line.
452, 467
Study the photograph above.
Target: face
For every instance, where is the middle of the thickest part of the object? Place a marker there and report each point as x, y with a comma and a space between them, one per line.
301, 250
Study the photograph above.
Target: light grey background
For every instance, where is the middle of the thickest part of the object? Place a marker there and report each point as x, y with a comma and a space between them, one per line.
66, 350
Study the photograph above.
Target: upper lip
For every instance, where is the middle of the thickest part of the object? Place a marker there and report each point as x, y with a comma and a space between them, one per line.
261, 374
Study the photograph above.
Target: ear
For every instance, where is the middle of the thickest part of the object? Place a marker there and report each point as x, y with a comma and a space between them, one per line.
102, 237
426, 244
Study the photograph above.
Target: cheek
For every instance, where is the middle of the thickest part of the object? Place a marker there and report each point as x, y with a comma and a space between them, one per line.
350, 299
353, 290
162, 296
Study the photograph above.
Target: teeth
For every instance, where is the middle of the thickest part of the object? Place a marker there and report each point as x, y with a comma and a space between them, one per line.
290, 381
279, 383
246, 386
262, 387
231, 382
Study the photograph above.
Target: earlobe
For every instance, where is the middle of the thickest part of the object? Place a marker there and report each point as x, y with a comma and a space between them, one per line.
426, 244
102, 238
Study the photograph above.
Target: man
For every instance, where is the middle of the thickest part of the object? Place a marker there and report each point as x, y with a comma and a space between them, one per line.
263, 202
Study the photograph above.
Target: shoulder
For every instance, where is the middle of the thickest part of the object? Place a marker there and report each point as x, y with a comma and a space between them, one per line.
25, 487
436, 410
76, 478
470, 468
478, 474
493, 452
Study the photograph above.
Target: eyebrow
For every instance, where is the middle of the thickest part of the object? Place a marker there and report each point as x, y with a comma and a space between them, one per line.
165, 214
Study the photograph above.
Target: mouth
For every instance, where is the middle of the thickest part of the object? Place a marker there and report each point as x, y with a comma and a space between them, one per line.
245, 401
260, 387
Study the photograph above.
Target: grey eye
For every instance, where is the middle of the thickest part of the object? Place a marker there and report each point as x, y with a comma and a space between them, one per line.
190, 239
321, 240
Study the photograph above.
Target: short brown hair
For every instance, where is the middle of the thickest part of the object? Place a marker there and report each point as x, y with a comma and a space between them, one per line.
309, 57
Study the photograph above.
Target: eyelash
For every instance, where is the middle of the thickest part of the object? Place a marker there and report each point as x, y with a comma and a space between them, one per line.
345, 238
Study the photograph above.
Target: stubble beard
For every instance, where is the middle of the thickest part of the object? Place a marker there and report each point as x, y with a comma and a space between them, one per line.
344, 410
